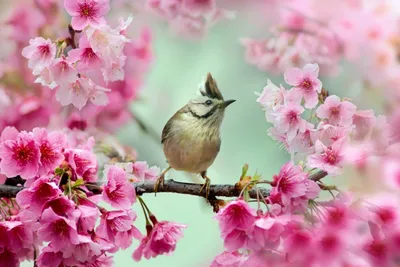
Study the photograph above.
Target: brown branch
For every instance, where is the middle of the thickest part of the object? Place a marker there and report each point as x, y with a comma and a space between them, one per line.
171, 186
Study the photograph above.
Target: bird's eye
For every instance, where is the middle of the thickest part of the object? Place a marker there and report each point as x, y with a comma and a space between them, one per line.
208, 102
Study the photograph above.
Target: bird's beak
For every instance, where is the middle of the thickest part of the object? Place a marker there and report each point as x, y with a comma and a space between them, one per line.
228, 102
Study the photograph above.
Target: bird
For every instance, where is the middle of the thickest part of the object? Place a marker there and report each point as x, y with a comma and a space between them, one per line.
191, 137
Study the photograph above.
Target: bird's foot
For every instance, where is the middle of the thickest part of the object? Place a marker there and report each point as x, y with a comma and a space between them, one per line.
160, 180
206, 186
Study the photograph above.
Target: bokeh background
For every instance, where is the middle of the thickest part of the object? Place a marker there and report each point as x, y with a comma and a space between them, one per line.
179, 67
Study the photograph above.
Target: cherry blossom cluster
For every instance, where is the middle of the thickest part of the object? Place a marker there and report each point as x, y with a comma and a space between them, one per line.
57, 219
315, 127
329, 233
189, 18
363, 33
83, 64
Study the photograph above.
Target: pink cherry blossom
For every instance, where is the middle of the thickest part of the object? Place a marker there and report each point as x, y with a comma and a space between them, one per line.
117, 227
38, 194
83, 164
40, 53
291, 182
20, 235
304, 141
237, 239
50, 146
288, 120
306, 81
141, 171
363, 120
58, 230
61, 205
271, 95
228, 259
62, 71
198, 7
8, 258
236, 215
255, 50
338, 113
84, 56
87, 219
118, 191
328, 133
20, 156
76, 93
160, 239
329, 159
87, 12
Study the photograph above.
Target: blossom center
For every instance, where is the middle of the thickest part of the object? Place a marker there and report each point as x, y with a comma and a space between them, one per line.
330, 156
89, 54
23, 154
46, 152
385, 214
44, 49
307, 84
292, 117
335, 111
60, 227
87, 10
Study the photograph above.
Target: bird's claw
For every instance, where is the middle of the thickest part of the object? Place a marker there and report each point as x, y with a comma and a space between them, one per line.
159, 181
206, 186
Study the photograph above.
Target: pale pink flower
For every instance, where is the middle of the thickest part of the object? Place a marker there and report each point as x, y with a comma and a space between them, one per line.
51, 146
288, 120
363, 120
84, 56
97, 94
76, 93
329, 159
85, 250
20, 156
328, 133
142, 171
62, 71
271, 96
117, 227
236, 215
304, 141
228, 259
139, 51
87, 12
41, 191
198, 7
118, 191
40, 53
189, 26
58, 230
255, 50
45, 78
280, 137
160, 239
169, 8
306, 81
338, 113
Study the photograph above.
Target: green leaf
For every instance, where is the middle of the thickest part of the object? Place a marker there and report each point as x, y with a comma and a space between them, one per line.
59, 172
245, 168
78, 183
256, 177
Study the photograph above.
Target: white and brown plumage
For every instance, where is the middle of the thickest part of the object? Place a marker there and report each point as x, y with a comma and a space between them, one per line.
191, 137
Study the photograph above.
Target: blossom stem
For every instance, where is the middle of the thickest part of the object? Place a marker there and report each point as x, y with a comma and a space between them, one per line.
144, 210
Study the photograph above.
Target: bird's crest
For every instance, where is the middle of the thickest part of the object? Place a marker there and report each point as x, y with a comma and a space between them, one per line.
211, 88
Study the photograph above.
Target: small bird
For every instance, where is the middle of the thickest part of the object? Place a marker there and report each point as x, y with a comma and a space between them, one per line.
191, 138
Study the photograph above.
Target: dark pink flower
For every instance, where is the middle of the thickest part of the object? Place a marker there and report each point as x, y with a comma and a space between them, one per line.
40, 53
8, 258
34, 197
87, 219
87, 12
19, 235
49, 257
83, 164
237, 239
51, 146
20, 156
101, 261
290, 182
338, 113
161, 239
85, 250
329, 159
228, 259
306, 81
61, 205
58, 230
236, 215
117, 227
118, 191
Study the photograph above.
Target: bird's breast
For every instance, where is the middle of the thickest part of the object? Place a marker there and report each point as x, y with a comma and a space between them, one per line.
192, 148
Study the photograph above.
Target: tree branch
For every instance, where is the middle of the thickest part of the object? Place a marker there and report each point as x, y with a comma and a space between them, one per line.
170, 186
